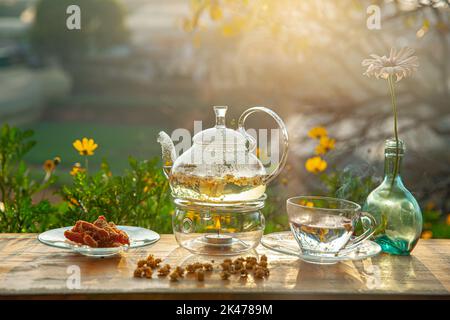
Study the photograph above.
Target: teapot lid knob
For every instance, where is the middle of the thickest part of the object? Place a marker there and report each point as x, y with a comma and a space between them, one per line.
220, 115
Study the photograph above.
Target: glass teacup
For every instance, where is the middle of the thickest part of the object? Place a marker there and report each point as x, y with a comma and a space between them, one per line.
324, 226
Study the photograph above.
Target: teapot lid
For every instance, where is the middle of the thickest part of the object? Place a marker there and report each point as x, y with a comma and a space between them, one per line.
220, 135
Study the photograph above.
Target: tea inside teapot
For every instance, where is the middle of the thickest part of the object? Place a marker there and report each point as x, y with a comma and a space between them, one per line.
227, 188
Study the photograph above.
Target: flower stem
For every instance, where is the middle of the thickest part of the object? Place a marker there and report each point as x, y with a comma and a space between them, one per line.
86, 163
394, 109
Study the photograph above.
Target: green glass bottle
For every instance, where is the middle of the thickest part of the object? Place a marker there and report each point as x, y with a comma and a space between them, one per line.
396, 210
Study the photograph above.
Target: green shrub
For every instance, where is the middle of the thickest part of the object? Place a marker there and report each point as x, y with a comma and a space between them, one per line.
18, 211
139, 197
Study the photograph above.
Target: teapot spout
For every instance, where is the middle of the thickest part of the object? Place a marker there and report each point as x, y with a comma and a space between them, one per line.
168, 151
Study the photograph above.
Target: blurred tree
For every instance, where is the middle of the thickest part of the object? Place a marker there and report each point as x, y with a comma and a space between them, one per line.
102, 26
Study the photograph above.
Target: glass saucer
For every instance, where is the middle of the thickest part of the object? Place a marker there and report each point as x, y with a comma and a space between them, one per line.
284, 242
139, 237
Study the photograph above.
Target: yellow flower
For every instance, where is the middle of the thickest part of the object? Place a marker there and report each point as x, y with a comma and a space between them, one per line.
76, 169
85, 147
448, 219
325, 145
215, 12
427, 234
317, 132
74, 201
320, 150
49, 166
315, 164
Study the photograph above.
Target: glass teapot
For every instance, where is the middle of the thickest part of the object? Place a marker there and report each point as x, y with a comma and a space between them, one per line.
221, 165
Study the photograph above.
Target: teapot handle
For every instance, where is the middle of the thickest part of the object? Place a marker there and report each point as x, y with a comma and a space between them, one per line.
252, 141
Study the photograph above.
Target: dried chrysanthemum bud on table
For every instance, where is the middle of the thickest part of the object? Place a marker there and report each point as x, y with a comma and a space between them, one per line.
200, 275
224, 275
141, 263
179, 271
164, 271
138, 272
208, 267
148, 272
174, 276
244, 273
241, 267
152, 262
190, 268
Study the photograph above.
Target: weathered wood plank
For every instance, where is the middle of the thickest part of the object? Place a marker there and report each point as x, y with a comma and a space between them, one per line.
31, 269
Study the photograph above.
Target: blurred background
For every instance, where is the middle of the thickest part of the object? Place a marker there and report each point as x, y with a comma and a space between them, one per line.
140, 66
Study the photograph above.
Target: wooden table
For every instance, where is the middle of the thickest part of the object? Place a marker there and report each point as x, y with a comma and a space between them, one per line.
29, 269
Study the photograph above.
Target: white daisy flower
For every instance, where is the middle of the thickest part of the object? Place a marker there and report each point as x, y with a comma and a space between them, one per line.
401, 64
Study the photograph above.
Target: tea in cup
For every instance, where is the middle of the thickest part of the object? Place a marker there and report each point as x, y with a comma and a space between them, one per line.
324, 226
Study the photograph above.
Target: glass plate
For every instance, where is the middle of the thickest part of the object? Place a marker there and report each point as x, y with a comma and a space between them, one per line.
139, 237
284, 242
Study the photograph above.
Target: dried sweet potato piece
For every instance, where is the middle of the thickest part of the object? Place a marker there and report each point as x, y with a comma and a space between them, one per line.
77, 227
74, 236
123, 238
101, 234
97, 232
100, 223
88, 240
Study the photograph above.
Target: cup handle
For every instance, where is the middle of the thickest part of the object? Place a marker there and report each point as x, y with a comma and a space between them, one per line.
369, 224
